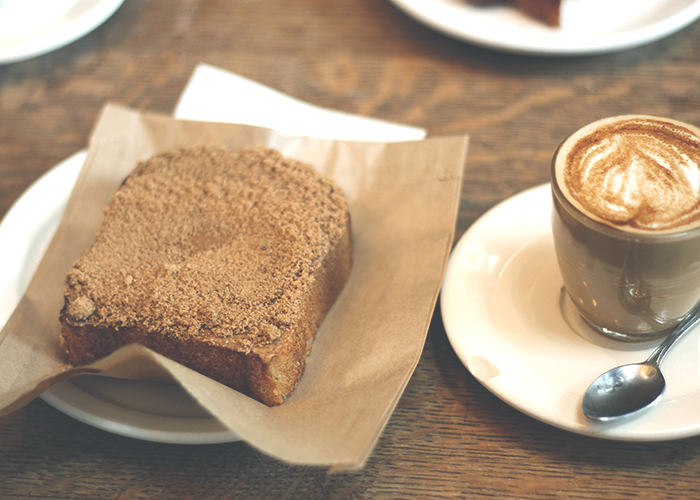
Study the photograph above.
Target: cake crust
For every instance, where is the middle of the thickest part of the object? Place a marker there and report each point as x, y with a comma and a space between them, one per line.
224, 262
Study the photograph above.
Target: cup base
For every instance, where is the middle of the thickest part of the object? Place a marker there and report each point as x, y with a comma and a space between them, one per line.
604, 338
624, 337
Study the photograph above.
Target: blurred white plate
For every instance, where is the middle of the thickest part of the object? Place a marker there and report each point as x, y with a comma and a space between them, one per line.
142, 410
29, 28
587, 26
501, 305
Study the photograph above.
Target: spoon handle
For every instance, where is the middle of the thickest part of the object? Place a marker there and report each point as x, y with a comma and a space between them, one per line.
679, 330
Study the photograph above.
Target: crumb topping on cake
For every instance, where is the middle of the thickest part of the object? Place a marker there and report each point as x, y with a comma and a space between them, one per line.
208, 243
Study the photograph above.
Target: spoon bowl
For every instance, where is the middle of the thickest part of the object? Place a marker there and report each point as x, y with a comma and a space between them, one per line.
623, 391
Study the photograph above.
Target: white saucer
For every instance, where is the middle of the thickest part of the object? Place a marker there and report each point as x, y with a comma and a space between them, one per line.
587, 26
501, 306
29, 28
142, 410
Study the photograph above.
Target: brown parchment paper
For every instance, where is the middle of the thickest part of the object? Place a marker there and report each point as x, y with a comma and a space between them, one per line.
403, 201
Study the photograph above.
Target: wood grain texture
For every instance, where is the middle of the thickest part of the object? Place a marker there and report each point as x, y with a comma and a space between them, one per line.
449, 437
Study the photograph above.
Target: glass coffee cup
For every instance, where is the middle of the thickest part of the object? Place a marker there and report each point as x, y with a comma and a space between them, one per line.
626, 223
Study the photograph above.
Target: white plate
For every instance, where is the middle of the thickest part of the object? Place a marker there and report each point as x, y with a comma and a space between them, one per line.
587, 26
29, 28
509, 324
143, 410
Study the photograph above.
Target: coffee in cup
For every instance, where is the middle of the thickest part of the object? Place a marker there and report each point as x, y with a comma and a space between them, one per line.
626, 223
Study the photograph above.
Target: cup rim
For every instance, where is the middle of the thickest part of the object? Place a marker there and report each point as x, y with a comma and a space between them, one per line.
674, 234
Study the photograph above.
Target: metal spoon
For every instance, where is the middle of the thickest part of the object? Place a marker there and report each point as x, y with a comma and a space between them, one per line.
629, 388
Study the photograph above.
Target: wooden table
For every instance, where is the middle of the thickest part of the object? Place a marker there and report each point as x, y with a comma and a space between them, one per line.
449, 437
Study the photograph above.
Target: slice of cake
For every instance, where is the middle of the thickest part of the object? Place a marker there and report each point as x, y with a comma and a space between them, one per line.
547, 11
224, 262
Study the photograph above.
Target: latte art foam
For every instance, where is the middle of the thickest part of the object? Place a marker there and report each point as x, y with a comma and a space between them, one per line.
637, 173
